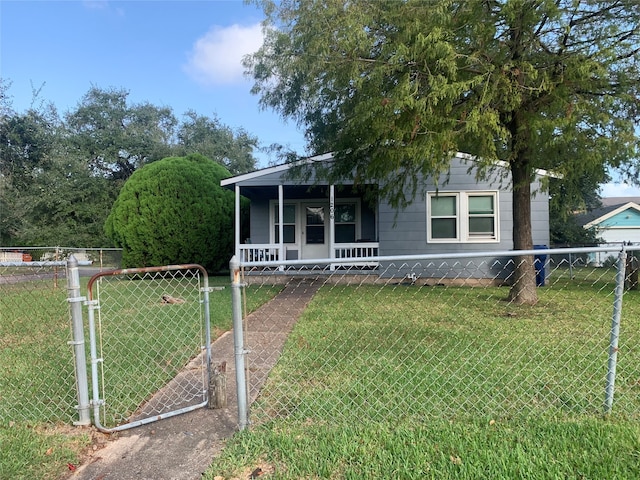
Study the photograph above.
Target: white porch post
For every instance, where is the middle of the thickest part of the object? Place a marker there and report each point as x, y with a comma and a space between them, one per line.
332, 222
281, 221
237, 222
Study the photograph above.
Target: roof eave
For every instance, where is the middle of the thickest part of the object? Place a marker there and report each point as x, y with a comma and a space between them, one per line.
275, 169
329, 156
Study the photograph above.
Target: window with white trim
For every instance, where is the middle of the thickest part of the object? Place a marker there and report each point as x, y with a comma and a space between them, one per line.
462, 217
288, 225
345, 223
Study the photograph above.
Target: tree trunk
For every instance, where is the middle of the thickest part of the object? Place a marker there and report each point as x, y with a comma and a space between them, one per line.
523, 288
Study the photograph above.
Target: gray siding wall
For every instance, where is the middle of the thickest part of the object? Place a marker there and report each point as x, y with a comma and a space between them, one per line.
259, 215
405, 232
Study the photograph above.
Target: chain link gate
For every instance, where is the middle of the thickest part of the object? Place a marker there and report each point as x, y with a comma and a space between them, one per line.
150, 344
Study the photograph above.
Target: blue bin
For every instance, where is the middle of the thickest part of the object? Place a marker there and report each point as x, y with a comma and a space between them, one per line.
539, 263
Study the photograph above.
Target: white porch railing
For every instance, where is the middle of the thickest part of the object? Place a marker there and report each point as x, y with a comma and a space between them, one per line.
260, 252
355, 251
270, 252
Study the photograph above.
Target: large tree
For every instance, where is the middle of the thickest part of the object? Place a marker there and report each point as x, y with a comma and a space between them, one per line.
116, 136
394, 87
48, 194
27, 142
59, 176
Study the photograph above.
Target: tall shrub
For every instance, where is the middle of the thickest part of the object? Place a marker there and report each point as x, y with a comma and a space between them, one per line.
174, 211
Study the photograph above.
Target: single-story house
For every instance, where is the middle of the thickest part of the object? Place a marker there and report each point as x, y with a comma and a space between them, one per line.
305, 220
617, 222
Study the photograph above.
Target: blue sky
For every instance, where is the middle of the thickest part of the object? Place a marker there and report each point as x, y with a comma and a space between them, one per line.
181, 54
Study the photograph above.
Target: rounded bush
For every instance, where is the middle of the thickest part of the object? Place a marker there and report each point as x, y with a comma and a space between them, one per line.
174, 211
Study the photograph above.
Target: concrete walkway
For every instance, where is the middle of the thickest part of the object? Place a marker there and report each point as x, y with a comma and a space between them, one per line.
182, 447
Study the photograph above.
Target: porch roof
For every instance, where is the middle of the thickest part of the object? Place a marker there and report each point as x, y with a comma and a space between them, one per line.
271, 176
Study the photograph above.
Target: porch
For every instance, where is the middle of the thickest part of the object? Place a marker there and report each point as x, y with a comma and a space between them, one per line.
303, 220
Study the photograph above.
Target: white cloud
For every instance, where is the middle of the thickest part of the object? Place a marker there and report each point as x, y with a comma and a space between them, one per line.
103, 6
216, 58
619, 190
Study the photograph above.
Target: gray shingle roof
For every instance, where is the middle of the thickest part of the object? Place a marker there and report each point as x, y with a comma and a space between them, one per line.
585, 218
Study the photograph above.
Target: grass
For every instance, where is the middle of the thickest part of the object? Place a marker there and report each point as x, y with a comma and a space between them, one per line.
39, 450
393, 382
37, 387
35, 360
449, 383
37, 392
536, 449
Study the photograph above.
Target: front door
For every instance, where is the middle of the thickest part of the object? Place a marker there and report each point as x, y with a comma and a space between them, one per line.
315, 233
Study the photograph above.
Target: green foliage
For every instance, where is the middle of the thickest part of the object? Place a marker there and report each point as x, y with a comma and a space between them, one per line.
117, 137
67, 205
567, 232
26, 142
395, 87
49, 194
566, 200
174, 211
59, 176
208, 137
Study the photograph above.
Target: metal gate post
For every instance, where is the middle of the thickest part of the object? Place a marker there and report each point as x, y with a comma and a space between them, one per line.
238, 343
77, 328
95, 385
615, 331
207, 326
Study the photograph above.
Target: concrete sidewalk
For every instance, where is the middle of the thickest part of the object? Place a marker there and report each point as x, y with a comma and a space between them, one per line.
182, 447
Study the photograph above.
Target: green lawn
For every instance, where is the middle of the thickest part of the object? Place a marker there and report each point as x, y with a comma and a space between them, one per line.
449, 383
37, 388
391, 382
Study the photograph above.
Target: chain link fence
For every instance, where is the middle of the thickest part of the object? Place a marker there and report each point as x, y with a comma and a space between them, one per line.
91, 258
36, 360
435, 337
410, 337
150, 344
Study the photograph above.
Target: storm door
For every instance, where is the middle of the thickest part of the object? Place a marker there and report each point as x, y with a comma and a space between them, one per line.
315, 236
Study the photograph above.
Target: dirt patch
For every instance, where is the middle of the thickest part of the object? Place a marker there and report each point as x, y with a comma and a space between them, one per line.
89, 453
260, 470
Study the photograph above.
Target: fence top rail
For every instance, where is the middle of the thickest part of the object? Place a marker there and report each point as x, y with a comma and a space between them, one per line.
12, 248
133, 271
440, 256
43, 264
